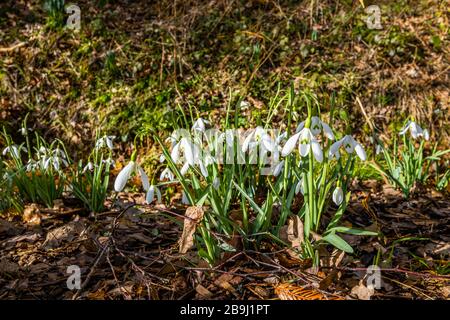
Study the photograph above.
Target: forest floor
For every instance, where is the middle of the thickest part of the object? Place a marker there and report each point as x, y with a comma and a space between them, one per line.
131, 252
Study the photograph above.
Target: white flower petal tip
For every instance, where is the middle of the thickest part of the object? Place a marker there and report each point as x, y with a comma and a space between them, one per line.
338, 196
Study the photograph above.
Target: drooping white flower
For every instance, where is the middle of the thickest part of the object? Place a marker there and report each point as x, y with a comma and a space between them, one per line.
338, 196
89, 166
307, 143
203, 169
200, 125
167, 174
258, 138
14, 150
125, 174
415, 130
378, 149
55, 158
105, 141
183, 148
150, 196
300, 187
278, 168
31, 165
24, 131
350, 145
109, 162
317, 126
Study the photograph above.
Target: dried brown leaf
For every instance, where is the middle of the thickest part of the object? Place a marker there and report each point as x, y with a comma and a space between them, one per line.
193, 216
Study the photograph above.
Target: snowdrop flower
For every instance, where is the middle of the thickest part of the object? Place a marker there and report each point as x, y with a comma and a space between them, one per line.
307, 142
31, 165
258, 137
278, 168
151, 194
184, 198
378, 149
24, 131
105, 141
89, 166
125, 174
200, 125
167, 174
216, 183
338, 196
426, 134
300, 187
317, 126
109, 162
187, 148
350, 145
42, 150
415, 130
14, 150
184, 168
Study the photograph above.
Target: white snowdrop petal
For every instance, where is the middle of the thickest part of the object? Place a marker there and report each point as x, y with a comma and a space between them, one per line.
144, 178
188, 151
216, 183
315, 125
278, 168
426, 135
334, 149
203, 169
338, 196
290, 145
184, 168
415, 130
109, 143
184, 198
304, 149
150, 195
300, 127
317, 151
175, 154
360, 152
268, 143
327, 131
123, 176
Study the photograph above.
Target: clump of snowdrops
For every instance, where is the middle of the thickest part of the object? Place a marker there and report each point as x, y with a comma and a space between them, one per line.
405, 162
90, 181
37, 172
253, 181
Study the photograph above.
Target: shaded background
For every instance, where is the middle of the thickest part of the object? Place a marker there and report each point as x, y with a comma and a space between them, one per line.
134, 65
